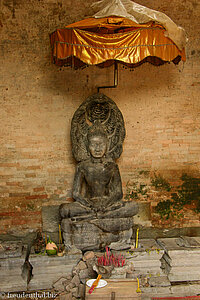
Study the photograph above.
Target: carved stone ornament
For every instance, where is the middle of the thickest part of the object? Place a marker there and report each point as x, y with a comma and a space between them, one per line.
101, 109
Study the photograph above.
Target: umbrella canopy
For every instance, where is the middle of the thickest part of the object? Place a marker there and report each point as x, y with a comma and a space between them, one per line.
116, 34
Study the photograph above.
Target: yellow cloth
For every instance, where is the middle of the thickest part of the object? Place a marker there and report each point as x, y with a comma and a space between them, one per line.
131, 46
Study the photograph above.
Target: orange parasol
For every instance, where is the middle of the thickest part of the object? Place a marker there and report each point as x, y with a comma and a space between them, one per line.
122, 31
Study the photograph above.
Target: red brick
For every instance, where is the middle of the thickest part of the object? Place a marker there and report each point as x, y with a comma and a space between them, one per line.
39, 189
37, 197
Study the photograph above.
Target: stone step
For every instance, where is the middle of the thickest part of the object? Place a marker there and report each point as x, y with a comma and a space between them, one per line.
48, 269
39, 282
143, 254
145, 263
184, 269
175, 245
183, 277
180, 290
13, 283
6, 272
181, 273
189, 289
158, 281
9, 263
54, 260
148, 271
53, 269
181, 260
156, 290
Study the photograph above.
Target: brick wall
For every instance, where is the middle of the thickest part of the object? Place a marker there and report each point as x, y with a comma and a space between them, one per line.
160, 106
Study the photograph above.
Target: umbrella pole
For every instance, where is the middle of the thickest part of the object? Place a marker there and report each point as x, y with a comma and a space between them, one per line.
115, 79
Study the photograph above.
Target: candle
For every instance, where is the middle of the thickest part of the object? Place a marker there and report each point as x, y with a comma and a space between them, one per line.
136, 242
60, 236
138, 288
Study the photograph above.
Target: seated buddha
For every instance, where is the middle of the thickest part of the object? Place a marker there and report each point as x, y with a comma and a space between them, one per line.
97, 187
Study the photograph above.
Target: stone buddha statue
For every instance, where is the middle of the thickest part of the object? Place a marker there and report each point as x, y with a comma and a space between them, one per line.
97, 134
97, 182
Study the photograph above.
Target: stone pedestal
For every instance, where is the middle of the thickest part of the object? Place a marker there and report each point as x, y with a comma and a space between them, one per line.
94, 231
12, 258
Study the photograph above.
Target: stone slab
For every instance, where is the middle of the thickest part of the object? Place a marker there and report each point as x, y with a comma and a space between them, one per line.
144, 255
13, 283
154, 291
172, 246
188, 270
148, 250
11, 249
182, 260
159, 281
10, 274
188, 289
11, 263
148, 271
183, 277
145, 264
53, 269
50, 218
39, 282
54, 260
48, 269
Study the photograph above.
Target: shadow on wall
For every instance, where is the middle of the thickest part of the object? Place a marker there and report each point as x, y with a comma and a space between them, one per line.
85, 82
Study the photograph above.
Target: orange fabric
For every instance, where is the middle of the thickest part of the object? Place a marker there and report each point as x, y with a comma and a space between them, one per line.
129, 47
108, 22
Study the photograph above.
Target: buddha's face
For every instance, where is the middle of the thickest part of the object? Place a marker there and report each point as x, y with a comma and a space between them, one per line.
97, 146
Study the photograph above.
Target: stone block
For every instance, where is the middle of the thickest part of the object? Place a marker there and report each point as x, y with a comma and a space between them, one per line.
11, 249
155, 291
12, 284
88, 255
148, 250
69, 287
11, 274
188, 289
59, 285
48, 269
86, 236
84, 274
50, 218
65, 296
173, 277
181, 258
76, 280
145, 264
74, 292
81, 291
81, 265
159, 281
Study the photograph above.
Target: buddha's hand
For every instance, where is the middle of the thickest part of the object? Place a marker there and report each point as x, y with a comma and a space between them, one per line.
84, 203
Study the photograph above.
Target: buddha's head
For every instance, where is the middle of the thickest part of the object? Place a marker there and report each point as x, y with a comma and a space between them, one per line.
97, 141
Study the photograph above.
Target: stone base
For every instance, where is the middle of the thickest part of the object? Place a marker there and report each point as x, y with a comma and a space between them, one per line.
12, 258
48, 269
90, 230
95, 234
